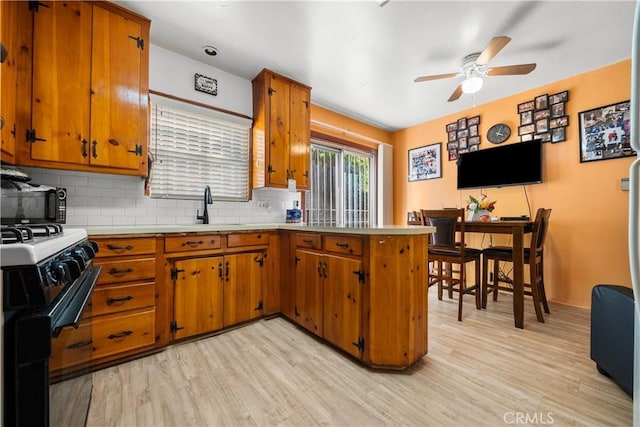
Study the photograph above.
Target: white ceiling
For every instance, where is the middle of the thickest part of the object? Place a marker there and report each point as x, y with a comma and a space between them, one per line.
361, 59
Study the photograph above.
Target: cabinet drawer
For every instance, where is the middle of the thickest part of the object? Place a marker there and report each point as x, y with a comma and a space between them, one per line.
247, 239
113, 299
122, 332
125, 247
306, 240
72, 347
192, 243
127, 270
343, 245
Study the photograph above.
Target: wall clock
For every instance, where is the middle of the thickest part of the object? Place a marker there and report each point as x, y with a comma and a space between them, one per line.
498, 133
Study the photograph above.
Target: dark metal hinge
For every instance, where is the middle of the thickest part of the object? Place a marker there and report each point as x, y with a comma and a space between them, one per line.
260, 260
174, 273
259, 307
271, 91
360, 274
34, 6
31, 136
297, 260
139, 41
295, 310
270, 169
306, 103
137, 151
359, 343
174, 326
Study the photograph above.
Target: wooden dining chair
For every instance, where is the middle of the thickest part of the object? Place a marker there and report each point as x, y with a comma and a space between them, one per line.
533, 256
444, 254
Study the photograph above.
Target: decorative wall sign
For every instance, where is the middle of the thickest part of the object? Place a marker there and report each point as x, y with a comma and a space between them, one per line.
206, 84
604, 133
463, 135
543, 117
425, 162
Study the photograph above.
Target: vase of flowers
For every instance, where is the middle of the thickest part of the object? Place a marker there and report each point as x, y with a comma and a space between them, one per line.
480, 210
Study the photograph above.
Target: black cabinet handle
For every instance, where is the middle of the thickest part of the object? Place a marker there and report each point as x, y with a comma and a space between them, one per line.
307, 241
84, 148
226, 272
220, 274
342, 245
94, 148
115, 271
192, 243
114, 300
119, 248
80, 344
120, 335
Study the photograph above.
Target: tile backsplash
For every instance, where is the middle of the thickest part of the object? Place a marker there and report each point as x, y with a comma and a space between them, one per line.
104, 200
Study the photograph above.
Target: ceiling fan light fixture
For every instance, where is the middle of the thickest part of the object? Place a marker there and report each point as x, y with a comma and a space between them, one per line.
472, 84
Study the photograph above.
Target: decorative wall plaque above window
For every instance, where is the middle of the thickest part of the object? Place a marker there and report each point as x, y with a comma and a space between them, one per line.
206, 84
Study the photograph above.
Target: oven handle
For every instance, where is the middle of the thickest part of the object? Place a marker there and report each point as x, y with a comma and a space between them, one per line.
73, 311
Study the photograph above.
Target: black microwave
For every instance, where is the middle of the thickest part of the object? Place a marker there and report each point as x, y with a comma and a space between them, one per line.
29, 203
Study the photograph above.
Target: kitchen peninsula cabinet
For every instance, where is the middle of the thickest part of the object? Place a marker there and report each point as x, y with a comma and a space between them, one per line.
281, 131
88, 103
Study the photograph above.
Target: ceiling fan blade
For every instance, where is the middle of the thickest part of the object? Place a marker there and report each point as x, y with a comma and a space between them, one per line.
435, 77
456, 93
495, 45
511, 70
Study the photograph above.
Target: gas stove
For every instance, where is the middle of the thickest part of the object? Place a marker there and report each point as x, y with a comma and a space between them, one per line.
29, 245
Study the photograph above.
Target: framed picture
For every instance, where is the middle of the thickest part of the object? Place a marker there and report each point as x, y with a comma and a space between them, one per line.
545, 137
558, 134
473, 121
526, 137
474, 140
604, 133
453, 136
473, 148
206, 84
526, 117
462, 123
452, 127
542, 114
542, 125
425, 162
473, 130
463, 133
453, 155
525, 106
557, 110
452, 146
523, 130
559, 97
542, 102
462, 142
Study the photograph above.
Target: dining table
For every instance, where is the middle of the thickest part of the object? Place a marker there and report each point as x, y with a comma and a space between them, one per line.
517, 229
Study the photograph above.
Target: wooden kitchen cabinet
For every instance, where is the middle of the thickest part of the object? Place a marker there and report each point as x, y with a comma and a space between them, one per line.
125, 298
9, 35
89, 89
328, 290
281, 131
244, 277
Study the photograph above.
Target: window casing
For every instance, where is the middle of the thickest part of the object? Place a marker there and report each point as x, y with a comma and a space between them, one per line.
194, 147
342, 191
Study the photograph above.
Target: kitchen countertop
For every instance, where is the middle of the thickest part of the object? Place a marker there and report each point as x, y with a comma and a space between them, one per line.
220, 228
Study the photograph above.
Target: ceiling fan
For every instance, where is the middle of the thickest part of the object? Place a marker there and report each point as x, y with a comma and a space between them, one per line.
474, 68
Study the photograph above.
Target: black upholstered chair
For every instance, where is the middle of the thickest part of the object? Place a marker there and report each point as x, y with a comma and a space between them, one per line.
445, 252
533, 256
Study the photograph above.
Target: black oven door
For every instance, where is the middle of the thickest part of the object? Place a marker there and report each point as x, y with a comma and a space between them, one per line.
71, 348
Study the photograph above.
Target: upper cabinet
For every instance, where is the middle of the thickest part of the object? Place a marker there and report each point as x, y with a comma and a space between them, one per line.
281, 131
8, 78
89, 97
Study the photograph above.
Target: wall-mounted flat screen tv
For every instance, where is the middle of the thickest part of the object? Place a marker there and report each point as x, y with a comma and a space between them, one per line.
514, 164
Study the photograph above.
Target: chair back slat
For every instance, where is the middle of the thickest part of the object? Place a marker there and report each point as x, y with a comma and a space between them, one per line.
445, 221
540, 227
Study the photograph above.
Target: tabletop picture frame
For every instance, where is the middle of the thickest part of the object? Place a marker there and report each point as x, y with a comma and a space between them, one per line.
425, 162
604, 132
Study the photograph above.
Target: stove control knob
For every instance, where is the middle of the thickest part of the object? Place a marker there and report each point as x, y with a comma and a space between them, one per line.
60, 272
72, 267
80, 257
49, 275
93, 246
89, 249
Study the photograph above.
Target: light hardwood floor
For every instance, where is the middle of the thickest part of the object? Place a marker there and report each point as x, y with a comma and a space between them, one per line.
481, 371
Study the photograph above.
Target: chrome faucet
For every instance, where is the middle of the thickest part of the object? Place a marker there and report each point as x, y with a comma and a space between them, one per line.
207, 201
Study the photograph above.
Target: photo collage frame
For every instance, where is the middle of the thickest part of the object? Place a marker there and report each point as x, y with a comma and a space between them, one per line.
544, 118
463, 135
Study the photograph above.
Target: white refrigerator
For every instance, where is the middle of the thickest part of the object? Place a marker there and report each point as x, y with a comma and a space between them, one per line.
634, 207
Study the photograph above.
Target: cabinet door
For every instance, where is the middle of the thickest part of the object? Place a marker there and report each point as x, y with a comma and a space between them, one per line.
308, 291
299, 136
198, 296
61, 88
117, 99
8, 78
342, 303
278, 162
244, 275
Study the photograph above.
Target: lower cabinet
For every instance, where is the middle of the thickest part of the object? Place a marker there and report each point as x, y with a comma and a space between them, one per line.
121, 332
328, 302
214, 292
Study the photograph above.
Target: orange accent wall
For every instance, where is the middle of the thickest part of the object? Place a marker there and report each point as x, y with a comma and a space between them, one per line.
587, 239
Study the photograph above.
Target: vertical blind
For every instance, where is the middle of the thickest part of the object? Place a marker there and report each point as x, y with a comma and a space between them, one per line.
194, 147
342, 186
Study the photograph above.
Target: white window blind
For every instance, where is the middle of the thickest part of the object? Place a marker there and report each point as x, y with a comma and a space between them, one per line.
194, 147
